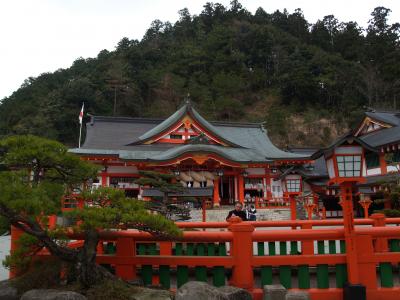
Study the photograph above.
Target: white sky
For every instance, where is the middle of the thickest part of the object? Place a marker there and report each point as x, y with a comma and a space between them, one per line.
45, 35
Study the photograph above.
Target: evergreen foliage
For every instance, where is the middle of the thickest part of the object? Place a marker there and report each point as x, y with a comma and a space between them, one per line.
165, 184
36, 173
231, 62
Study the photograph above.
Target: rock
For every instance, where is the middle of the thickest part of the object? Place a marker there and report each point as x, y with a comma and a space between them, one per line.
152, 294
197, 290
136, 282
234, 293
7, 291
274, 292
42, 294
298, 295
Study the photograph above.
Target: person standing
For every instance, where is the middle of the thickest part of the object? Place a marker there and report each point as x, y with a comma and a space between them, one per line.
238, 211
252, 213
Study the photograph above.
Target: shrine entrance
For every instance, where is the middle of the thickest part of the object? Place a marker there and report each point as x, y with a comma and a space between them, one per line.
227, 190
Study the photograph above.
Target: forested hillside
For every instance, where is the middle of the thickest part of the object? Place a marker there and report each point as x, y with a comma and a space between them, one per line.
308, 82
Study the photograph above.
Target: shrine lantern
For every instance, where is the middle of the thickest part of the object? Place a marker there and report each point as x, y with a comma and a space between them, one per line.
293, 184
345, 164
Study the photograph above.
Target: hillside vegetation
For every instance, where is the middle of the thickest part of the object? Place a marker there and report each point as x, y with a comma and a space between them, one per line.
308, 82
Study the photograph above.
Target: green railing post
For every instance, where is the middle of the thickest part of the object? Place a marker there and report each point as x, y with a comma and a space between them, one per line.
322, 270
285, 272
147, 270
219, 271
340, 269
266, 271
182, 272
386, 274
304, 276
200, 271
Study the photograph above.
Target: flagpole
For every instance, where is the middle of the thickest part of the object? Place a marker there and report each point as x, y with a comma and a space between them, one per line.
81, 122
80, 134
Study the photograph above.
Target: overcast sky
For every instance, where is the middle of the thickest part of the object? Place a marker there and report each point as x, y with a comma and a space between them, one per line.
45, 35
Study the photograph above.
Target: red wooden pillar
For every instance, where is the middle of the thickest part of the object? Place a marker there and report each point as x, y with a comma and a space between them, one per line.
52, 221
216, 198
350, 237
307, 246
240, 182
165, 248
367, 270
242, 253
323, 212
293, 211
382, 163
381, 244
104, 178
100, 248
125, 247
268, 194
203, 210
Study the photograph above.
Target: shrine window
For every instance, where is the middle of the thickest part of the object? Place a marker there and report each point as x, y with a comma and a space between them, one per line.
175, 136
396, 156
372, 160
293, 185
276, 189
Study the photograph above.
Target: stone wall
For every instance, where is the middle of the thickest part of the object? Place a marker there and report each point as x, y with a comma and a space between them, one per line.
220, 214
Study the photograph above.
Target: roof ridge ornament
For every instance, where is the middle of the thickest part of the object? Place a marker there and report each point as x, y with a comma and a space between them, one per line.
187, 101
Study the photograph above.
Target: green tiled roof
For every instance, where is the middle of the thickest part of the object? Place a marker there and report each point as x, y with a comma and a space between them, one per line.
186, 109
124, 137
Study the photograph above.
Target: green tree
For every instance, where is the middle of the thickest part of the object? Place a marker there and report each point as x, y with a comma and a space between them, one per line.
36, 173
160, 181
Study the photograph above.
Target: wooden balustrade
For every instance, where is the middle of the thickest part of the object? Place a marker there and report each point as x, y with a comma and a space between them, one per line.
247, 256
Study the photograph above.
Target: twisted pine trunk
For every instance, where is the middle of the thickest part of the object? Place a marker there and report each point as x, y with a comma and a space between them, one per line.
89, 272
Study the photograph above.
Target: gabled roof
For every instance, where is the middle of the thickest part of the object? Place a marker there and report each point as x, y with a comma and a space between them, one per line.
244, 142
391, 118
384, 136
186, 110
346, 138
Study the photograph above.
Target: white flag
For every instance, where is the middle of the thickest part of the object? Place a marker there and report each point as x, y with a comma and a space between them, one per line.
81, 114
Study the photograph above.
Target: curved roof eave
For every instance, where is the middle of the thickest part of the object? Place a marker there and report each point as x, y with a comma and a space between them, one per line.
340, 141
176, 153
176, 117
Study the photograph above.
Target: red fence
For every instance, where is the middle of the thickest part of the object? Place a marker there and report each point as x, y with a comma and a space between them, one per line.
246, 255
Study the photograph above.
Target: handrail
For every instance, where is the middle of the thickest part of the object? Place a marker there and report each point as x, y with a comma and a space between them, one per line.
297, 235
379, 231
285, 223
188, 236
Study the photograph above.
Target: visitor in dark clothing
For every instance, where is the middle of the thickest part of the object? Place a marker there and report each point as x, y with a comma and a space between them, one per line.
252, 213
237, 212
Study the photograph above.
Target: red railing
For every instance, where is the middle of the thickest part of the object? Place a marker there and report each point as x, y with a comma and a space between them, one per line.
248, 255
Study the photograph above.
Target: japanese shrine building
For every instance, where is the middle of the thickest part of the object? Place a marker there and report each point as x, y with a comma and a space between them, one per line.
230, 160
378, 134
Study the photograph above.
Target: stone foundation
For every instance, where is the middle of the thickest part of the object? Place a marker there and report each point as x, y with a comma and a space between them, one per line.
220, 214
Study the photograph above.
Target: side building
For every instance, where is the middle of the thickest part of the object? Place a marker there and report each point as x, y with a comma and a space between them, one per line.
377, 138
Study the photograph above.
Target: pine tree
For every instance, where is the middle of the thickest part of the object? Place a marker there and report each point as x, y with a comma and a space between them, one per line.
35, 174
